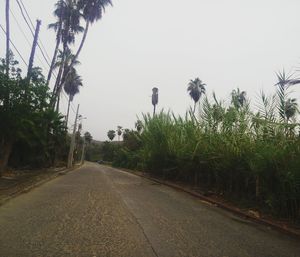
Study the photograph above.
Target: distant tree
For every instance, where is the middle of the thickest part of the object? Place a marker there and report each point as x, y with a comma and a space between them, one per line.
238, 98
196, 88
88, 137
154, 99
119, 132
139, 126
291, 108
111, 134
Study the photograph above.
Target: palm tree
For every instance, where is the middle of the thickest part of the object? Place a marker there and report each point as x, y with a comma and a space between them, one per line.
291, 108
238, 98
67, 27
139, 126
71, 87
119, 132
154, 99
92, 11
196, 88
64, 59
111, 134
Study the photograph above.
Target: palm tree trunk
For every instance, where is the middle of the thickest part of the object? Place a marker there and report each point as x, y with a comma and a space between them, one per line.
194, 108
57, 87
68, 111
7, 37
58, 37
81, 44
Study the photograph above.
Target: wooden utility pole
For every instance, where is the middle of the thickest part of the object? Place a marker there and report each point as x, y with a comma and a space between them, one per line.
72, 145
7, 37
34, 44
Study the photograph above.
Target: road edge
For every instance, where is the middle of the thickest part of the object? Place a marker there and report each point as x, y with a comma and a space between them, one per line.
223, 206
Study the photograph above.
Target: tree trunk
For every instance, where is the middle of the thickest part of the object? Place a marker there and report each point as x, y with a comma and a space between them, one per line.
81, 44
5, 152
56, 89
34, 44
7, 37
58, 37
194, 108
69, 68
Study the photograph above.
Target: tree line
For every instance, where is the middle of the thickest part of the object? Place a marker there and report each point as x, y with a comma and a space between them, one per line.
33, 132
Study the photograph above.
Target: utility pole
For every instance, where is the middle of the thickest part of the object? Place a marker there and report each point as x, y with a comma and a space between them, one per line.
72, 145
34, 44
7, 37
83, 150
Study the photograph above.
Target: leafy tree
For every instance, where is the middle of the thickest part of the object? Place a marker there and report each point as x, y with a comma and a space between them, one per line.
88, 137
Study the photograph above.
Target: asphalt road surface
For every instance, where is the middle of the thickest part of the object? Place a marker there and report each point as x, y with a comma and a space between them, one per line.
100, 211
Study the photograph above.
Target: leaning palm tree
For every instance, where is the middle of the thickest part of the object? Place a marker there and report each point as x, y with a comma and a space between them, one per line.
64, 60
196, 88
92, 11
67, 27
71, 87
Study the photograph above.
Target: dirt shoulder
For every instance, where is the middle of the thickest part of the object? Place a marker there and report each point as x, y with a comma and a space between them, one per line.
15, 182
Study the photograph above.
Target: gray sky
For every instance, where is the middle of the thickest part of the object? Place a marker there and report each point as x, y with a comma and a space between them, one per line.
140, 44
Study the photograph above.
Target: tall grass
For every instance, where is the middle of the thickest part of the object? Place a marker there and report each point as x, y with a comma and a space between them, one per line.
249, 156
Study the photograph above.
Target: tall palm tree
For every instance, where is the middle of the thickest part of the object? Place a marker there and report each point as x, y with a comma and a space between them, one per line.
64, 59
92, 11
196, 88
71, 87
69, 16
154, 99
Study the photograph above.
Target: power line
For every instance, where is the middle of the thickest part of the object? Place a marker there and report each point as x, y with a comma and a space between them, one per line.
25, 19
27, 13
14, 46
22, 7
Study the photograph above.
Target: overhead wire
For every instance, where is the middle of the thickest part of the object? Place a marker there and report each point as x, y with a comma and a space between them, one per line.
14, 46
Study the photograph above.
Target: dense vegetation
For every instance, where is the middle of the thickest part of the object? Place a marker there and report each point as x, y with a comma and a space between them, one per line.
33, 133
247, 156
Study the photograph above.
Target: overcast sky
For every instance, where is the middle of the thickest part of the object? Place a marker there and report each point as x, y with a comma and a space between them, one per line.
140, 44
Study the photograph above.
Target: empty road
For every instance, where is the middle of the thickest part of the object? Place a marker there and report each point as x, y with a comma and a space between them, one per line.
100, 211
